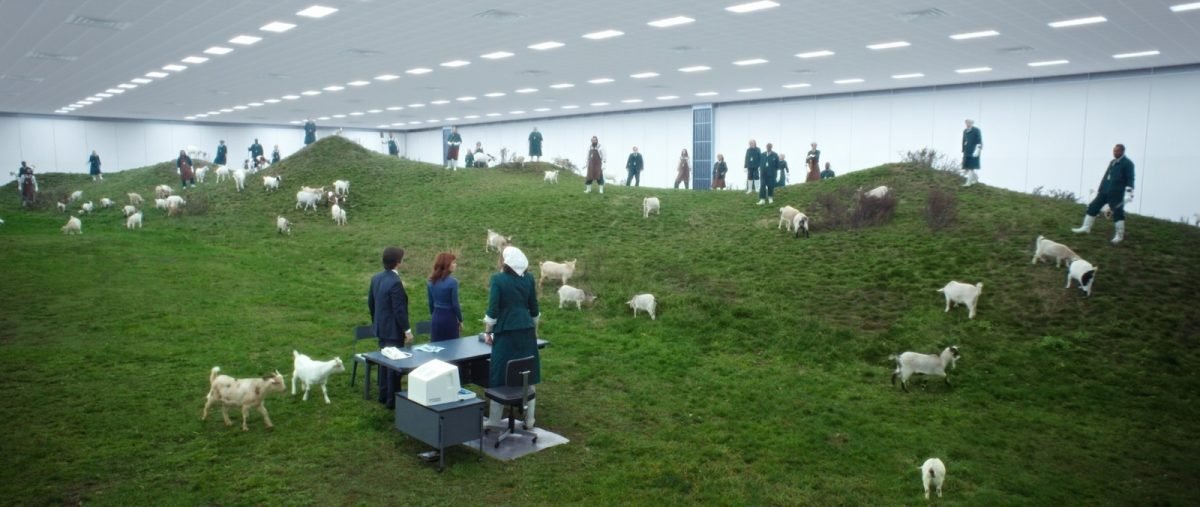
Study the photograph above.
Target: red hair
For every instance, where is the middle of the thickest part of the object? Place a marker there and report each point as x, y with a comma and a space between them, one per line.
441, 266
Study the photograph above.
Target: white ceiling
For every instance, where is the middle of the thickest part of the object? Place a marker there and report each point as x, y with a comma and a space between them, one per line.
46, 63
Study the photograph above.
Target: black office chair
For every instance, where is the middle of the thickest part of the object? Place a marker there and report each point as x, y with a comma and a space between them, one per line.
515, 395
360, 333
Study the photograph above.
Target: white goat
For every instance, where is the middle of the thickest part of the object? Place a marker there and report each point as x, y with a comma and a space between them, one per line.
878, 192
338, 213
800, 224
569, 294
495, 240
313, 372
307, 200
87, 207
75, 196
550, 176
246, 392
134, 220
1083, 272
135, 198
1044, 248
62, 206
651, 204
271, 182
201, 173
909, 363
129, 209
106, 202
786, 214
222, 173
933, 472
283, 225
239, 179
175, 201
644, 302
962, 294
74, 226
556, 270
342, 187
162, 191
160, 204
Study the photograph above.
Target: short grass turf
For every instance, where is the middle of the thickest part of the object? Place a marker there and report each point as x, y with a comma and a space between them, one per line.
764, 381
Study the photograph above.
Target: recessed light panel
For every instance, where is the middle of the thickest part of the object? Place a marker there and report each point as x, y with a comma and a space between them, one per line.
157, 75
973, 70
494, 94
669, 22
465, 99
599, 104
271, 101
560, 86
290, 97
542, 46
218, 50
334, 88
277, 27
1078, 22
603, 34
889, 45
750, 61
1138, 54
570, 106
706, 94
749, 90
666, 97
418, 71
527, 90
1185, 7
910, 75
310, 93
644, 75
140, 80
1047, 63
195, 59
493, 115
456, 63
751, 6
815, 54
695, 68
317, 11
496, 55
386, 77
975, 35
174, 68
441, 102
359, 83
793, 86
631, 101
600, 80
244, 40
853, 80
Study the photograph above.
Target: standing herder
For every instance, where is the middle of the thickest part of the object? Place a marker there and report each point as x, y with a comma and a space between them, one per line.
94, 167
256, 151
393, 150
184, 165
972, 147
683, 172
535, 145
595, 165
1116, 189
310, 132
26, 184
813, 160
452, 144
221, 151
720, 168
828, 173
634, 165
510, 327
767, 170
275, 155
783, 171
753, 160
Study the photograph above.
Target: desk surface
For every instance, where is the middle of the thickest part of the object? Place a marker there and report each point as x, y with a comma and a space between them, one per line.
467, 348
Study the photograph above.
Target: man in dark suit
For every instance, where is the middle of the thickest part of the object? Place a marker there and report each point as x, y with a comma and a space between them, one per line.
388, 303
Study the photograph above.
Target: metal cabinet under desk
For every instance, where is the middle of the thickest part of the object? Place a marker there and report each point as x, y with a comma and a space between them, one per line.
443, 425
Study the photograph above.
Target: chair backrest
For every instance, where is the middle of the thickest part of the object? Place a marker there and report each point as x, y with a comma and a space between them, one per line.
516, 370
362, 333
424, 327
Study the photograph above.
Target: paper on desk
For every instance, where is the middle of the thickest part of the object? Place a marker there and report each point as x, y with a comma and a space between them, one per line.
428, 348
394, 353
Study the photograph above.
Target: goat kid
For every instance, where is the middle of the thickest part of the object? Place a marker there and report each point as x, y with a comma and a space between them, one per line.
569, 294
909, 363
313, 372
643, 302
1082, 272
958, 293
651, 204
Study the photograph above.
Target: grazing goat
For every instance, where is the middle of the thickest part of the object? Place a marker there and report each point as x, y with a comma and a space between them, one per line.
569, 294
313, 372
201, 173
162, 191
129, 209
271, 182
495, 240
909, 363
961, 293
644, 302
933, 472
62, 206
106, 202
74, 226
1083, 272
135, 198
651, 204
160, 204
75, 196
877, 192
222, 173
246, 392
134, 220
550, 176
283, 225
786, 214
87, 207
175, 201
239, 179
1044, 248
338, 213
800, 223
342, 187
307, 200
555, 270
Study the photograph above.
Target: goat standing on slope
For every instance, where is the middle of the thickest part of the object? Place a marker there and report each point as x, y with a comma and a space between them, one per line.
313, 372
933, 473
958, 293
246, 392
909, 363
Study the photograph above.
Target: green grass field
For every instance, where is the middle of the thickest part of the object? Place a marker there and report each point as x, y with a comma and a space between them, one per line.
764, 381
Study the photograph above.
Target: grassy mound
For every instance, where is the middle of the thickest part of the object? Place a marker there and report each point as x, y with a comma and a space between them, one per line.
765, 379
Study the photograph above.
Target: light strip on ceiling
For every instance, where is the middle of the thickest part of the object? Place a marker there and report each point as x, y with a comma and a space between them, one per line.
815, 54
910, 75
796, 85
277, 27
386, 77
496, 55
601, 80
317, 11
194, 59
974, 35
542, 46
603, 34
1047, 63
669, 22
1185, 7
853, 80
644, 75
455, 63
245, 40
889, 45
1138, 54
218, 50
1078, 21
418, 71
750, 61
973, 70
695, 68
751, 6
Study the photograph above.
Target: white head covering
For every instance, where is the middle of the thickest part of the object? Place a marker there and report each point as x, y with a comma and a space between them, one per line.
515, 259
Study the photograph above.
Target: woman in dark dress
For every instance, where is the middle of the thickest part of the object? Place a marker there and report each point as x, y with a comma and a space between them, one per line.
442, 292
511, 326
683, 172
184, 164
94, 167
719, 170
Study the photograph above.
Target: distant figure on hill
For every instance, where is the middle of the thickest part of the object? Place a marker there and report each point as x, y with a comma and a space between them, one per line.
275, 155
442, 294
1116, 189
310, 132
478, 156
972, 148
221, 151
256, 150
595, 166
720, 169
634, 166
184, 165
813, 161
827, 174
683, 172
452, 144
768, 166
753, 159
94, 167
393, 150
535, 145
783, 171
388, 303
26, 184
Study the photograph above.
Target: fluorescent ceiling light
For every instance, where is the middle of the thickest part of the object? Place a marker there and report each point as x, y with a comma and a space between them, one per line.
240, 108
339, 116
157, 74
631, 101
382, 126
751, 6
127, 86
374, 111
750, 61
415, 122
815, 54
271, 101
140, 80
643, 75
666, 97
972, 70
295, 122
205, 115
386, 77
793, 86
357, 113
334, 88
395, 108
316, 11
415, 105
541, 109
560, 86
496, 55
213, 113
323, 118
493, 115
853, 80
194, 59
668, 22
1185, 7
439, 102
749, 90
418, 71
227, 110
1078, 21
471, 116
218, 50
1047, 63
974, 35
432, 120
1137, 54
542, 46
105, 95
397, 124
467, 98
310, 93
114, 90
359, 83
889, 45
908, 76
604, 34
527, 90
255, 104
706, 94
599, 104
455, 63
277, 27
601, 80
570, 106
244, 40
452, 118
494, 94
695, 68
290, 97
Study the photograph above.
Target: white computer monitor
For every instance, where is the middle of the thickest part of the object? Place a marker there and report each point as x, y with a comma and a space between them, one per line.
434, 383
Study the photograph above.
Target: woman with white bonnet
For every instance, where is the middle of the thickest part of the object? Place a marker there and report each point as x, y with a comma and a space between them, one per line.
511, 326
